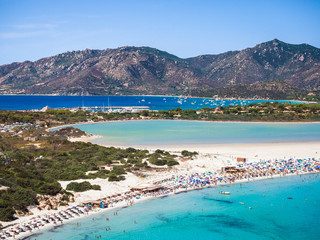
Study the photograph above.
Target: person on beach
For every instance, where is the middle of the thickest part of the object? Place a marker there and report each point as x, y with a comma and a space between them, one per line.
245, 171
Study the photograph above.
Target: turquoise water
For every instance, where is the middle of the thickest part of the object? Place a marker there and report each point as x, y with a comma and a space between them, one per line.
206, 214
169, 132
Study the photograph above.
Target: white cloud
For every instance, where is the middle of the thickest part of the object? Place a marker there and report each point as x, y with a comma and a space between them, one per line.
14, 35
36, 26
28, 30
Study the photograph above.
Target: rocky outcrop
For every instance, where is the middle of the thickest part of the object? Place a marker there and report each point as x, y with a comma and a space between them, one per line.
69, 132
47, 202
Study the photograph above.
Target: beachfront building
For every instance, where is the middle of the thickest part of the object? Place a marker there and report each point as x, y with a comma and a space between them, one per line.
239, 159
147, 187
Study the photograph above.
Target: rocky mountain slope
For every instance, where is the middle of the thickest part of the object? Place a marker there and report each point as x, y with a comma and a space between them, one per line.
269, 68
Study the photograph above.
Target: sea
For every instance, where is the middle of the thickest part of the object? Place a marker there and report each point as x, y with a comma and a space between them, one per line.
273, 209
280, 208
178, 132
28, 102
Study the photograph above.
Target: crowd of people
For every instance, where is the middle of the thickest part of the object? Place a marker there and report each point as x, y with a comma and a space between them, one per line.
242, 171
245, 172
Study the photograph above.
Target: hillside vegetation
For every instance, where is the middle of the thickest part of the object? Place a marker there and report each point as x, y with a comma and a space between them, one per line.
28, 169
252, 112
273, 69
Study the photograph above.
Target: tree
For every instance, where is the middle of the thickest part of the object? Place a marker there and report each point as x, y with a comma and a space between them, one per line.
145, 113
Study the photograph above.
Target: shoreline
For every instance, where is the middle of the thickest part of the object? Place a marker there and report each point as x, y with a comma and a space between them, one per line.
289, 148
212, 157
62, 95
209, 146
84, 138
141, 200
252, 151
227, 153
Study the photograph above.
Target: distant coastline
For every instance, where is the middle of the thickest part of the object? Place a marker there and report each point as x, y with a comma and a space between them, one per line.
182, 96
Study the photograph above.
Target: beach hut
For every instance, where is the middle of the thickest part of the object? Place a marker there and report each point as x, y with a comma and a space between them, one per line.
152, 188
147, 187
240, 159
3, 188
105, 167
229, 169
185, 159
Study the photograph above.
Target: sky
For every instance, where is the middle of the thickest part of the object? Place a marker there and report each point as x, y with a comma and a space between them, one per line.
33, 29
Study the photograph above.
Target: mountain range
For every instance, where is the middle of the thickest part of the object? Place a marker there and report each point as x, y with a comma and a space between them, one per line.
271, 69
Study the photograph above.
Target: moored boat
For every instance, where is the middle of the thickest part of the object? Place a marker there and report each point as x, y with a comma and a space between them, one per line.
225, 193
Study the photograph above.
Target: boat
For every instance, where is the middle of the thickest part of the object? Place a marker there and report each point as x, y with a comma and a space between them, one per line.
224, 192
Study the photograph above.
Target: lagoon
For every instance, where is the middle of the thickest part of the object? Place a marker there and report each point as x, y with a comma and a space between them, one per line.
178, 132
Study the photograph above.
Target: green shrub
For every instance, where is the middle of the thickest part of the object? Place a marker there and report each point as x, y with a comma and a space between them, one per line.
158, 162
172, 163
50, 188
22, 197
82, 186
118, 170
186, 153
159, 151
115, 178
96, 187
6, 214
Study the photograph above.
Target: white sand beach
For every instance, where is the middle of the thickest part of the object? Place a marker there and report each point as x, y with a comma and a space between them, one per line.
84, 138
211, 157
255, 152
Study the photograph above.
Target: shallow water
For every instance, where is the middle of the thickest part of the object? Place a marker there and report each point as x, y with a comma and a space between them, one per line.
206, 214
172, 132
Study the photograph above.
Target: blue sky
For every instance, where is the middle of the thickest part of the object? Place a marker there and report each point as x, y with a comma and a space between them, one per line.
32, 29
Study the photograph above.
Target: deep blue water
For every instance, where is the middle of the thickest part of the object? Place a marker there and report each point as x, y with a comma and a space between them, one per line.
27, 102
206, 214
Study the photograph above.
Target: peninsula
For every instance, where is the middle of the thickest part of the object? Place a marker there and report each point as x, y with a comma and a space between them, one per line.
36, 162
